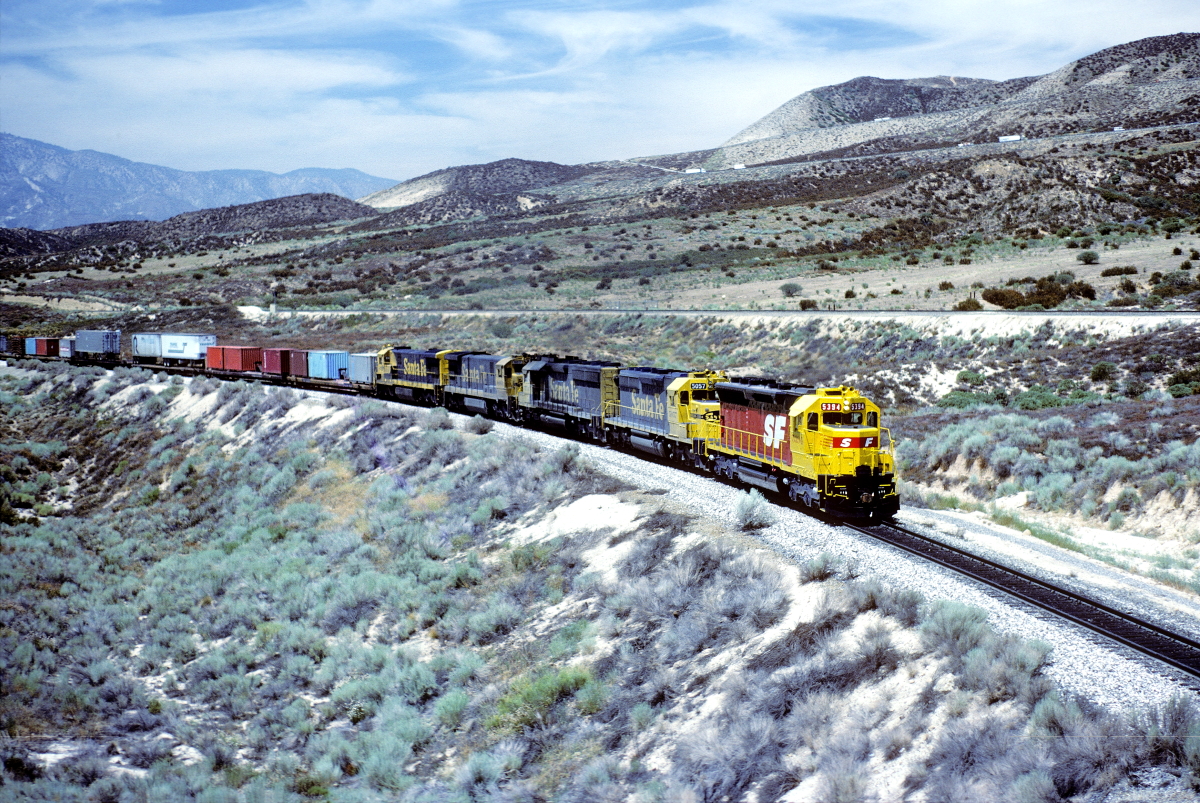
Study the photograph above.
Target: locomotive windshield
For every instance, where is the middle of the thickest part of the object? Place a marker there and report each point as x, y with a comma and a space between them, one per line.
842, 419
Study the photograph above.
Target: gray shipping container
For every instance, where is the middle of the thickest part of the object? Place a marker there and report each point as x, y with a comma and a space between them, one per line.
3, 343
362, 367
66, 347
98, 341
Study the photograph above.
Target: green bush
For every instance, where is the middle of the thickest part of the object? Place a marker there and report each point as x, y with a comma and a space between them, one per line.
790, 289
531, 698
1103, 371
968, 305
1036, 398
1087, 257
1124, 270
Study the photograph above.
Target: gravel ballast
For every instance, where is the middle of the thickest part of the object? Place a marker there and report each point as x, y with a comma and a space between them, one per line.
1082, 663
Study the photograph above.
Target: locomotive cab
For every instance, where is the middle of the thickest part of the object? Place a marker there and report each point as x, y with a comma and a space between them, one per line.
849, 455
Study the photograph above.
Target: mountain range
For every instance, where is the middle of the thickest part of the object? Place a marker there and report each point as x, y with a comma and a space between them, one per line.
44, 186
1149, 82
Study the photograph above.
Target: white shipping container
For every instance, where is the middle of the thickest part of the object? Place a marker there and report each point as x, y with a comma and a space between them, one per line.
66, 347
147, 344
186, 347
362, 367
172, 346
1010, 138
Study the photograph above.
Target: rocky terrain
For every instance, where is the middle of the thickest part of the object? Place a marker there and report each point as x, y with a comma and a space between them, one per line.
44, 186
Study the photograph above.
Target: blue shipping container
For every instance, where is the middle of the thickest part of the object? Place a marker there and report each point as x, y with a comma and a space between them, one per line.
31, 345
328, 364
362, 368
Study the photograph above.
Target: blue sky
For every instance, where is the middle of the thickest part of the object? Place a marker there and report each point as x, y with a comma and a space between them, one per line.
401, 87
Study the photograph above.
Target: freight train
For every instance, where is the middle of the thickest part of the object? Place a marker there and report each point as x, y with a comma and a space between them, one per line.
820, 447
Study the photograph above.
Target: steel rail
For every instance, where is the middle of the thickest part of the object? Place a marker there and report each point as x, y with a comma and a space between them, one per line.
1171, 648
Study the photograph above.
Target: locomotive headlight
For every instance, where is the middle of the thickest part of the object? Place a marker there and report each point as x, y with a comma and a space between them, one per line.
866, 498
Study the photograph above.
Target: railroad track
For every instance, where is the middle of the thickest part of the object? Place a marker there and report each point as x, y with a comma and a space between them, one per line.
1174, 649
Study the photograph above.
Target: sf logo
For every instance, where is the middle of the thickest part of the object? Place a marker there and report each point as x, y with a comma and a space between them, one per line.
774, 430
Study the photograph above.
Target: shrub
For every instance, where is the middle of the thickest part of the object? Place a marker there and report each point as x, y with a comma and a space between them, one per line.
1008, 299
789, 289
970, 378
946, 286
1124, 270
531, 698
1087, 257
1103, 371
1036, 398
851, 294
753, 511
450, 706
808, 303
968, 305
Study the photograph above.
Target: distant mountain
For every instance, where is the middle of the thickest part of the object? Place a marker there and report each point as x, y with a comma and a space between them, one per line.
277, 213
1147, 82
505, 176
47, 187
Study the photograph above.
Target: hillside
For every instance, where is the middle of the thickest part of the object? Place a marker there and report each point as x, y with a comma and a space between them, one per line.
505, 176
225, 590
44, 186
1151, 81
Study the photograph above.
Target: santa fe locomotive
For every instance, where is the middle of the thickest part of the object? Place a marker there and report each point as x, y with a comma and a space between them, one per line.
821, 447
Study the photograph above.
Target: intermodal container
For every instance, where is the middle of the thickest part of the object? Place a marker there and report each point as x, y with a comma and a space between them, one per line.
147, 344
3, 344
31, 345
46, 346
362, 368
98, 341
299, 362
277, 361
186, 346
66, 347
242, 358
214, 358
328, 364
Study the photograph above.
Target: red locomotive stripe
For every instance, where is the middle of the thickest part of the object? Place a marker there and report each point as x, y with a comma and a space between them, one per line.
865, 442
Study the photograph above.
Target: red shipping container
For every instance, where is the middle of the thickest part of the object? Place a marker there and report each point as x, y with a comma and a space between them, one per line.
277, 361
299, 362
756, 432
242, 358
47, 346
214, 358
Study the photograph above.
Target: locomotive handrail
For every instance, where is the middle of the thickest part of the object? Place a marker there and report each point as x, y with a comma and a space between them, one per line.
773, 454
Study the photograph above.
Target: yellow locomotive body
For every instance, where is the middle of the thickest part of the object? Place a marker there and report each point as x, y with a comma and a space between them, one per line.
821, 446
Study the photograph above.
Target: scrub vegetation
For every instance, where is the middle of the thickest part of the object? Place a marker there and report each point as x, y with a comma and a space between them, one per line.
271, 597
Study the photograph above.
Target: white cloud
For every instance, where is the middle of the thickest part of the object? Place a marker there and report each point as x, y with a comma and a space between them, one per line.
401, 87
